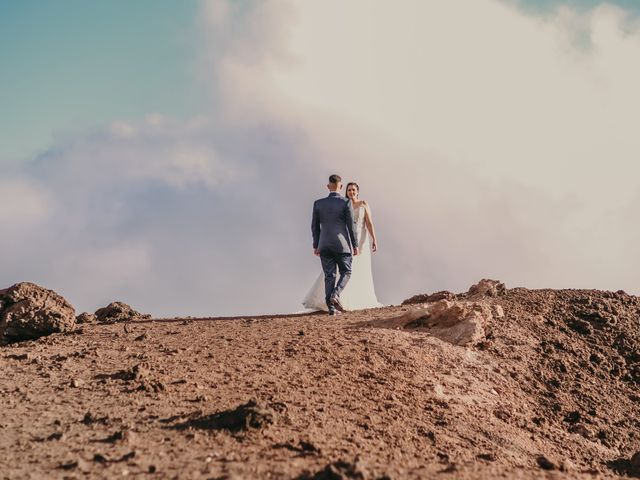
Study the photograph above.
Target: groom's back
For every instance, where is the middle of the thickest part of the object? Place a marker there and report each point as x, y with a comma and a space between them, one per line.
330, 215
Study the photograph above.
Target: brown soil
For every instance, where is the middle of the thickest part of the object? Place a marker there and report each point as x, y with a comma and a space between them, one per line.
553, 391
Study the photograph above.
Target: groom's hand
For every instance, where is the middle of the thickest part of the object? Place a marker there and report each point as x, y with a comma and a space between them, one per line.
356, 251
316, 252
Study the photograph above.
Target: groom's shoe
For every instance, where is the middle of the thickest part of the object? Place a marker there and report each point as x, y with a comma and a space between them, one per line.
335, 301
334, 312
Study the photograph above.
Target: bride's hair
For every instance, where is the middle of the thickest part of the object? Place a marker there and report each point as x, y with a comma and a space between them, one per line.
347, 189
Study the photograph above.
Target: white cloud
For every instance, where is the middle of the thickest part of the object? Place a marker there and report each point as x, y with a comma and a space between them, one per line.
489, 143
22, 203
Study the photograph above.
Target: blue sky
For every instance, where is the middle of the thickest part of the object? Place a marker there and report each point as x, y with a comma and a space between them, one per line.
72, 65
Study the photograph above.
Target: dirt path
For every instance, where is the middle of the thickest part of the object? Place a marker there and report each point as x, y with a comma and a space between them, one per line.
158, 398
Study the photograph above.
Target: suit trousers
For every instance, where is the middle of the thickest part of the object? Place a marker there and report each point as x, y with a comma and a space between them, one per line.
330, 260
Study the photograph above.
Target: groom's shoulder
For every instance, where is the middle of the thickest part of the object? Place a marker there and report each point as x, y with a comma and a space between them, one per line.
330, 200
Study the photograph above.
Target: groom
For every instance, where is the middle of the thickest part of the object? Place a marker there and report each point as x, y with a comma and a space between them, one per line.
333, 240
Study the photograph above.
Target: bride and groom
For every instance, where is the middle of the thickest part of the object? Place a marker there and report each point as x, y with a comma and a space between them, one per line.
343, 238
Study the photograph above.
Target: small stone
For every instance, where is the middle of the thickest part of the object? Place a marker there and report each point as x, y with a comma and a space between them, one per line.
70, 465
572, 417
99, 458
489, 457
544, 463
502, 414
22, 356
77, 383
567, 465
581, 430
86, 317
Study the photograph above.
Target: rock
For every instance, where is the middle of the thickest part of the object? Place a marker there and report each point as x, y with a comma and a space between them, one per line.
634, 464
502, 414
580, 326
429, 298
68, 465
118, 312
581, 430
89, 419
627, 467
573, 417
488, 457
22, 356
77, 383
86, 317
486, 288
139, 374
249, 416
29, 311
567, 466
126, 436
544, 463
458, 323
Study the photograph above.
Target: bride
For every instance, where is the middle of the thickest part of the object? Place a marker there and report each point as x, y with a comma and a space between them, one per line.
359, 292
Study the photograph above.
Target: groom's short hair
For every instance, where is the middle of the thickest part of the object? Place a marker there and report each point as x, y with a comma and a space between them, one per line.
335, 179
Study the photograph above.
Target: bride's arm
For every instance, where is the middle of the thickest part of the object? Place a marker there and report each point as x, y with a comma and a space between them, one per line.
369, 223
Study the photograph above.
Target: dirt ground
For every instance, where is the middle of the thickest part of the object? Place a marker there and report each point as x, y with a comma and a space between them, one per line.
552, 391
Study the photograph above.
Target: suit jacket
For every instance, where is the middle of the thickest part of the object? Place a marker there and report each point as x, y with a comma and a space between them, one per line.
332, 224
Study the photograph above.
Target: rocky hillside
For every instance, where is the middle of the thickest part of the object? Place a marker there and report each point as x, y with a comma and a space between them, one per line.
494, 382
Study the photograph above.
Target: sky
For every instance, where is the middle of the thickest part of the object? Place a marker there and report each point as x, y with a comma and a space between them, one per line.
167, 154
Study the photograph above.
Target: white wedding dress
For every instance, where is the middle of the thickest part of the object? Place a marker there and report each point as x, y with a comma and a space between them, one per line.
359, 292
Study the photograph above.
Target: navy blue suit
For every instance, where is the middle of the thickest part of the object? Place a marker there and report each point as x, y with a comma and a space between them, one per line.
334, 236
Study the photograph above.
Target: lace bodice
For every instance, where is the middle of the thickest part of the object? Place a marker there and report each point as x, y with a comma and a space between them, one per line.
361, 226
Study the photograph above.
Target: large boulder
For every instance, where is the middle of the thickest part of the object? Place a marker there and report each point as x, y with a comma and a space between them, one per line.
29, 311
118, 312
458, 323
486, 288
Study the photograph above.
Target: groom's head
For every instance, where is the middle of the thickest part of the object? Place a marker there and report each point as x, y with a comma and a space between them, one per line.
335, 183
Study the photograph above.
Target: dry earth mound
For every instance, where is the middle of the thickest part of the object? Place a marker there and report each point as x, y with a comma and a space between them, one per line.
546, 385
118, 312
29, 311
